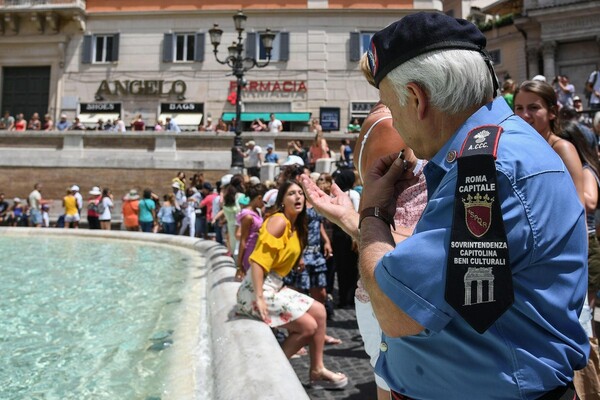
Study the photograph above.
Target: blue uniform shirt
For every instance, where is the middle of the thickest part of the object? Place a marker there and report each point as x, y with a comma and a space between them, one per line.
535, 345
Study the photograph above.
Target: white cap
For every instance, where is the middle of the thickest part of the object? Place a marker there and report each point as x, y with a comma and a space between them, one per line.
225, 179
17, 200
254, 180
270, 198
291, 160
75, 188
96, 191
539, 78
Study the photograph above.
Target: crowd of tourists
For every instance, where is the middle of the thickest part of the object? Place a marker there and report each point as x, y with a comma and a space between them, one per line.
475, 226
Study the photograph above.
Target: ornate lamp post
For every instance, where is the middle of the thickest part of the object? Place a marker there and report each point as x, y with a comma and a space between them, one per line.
239, 66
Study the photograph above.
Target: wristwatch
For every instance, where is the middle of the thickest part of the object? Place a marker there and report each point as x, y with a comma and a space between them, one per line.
377, 213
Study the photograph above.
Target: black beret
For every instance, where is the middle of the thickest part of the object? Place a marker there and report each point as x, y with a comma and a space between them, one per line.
420, 33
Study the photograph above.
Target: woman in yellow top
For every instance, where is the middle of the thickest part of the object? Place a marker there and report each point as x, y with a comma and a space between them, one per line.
262, 295
71, 211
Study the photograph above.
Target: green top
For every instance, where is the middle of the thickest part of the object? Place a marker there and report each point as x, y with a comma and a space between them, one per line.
353, 128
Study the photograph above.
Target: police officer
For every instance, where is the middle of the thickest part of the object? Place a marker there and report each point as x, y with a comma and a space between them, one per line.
482, 301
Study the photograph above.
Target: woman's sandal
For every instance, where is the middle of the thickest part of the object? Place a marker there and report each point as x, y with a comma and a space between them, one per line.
327, 384
332, 340
301, 352
239, 275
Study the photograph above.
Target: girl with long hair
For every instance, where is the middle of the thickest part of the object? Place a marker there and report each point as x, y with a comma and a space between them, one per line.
249, 222
262, 294
536, 103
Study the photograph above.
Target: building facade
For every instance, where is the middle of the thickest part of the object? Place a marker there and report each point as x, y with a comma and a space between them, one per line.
563, 38
105, 58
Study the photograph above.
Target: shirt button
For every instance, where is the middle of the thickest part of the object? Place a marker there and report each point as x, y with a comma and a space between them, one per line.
451, 156
383, 347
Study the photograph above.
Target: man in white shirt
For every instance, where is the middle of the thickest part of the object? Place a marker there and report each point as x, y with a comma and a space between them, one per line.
171, 125
275, 125
254, 155
78, 197
35, 205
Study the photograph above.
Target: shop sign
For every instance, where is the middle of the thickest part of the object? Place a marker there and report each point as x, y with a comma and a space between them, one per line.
98, 108
362, 108
271, 86
142, 88
181, 108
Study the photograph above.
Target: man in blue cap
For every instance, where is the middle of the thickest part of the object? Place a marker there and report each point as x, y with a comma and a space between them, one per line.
482, 301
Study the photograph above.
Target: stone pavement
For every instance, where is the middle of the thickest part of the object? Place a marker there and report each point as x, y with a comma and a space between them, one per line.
348, 357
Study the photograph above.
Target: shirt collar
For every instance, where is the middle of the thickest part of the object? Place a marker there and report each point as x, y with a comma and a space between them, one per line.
493, 113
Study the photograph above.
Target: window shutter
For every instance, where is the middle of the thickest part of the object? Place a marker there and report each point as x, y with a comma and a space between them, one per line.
168, 48
115, 49
199, 53
284, 46
251, 45
355, 46
86, 51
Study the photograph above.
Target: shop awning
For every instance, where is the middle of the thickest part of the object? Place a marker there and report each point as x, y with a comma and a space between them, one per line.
91, 120
183, 119
283, 116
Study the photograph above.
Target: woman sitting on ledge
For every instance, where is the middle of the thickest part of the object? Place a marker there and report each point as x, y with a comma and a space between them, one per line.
262, 295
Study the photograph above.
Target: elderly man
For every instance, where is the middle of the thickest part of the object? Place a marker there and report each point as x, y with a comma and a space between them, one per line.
482, 301
255, 158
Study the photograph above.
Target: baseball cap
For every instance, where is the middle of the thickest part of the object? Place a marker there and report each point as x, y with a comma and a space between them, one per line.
291, 160
75, 188
270, 198
539, 78
576, 98
269, 146
417, 34
254, 180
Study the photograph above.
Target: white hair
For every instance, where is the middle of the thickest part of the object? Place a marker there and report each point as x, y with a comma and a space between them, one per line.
455, 80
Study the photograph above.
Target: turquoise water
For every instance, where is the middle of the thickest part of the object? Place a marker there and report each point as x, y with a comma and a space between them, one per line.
78, 315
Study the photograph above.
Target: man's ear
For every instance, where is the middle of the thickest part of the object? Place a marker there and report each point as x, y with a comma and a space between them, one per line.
419, 99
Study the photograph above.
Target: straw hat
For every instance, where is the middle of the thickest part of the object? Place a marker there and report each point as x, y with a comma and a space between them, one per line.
132, 195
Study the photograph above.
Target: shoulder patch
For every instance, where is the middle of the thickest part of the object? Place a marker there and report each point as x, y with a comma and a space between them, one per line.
481, 140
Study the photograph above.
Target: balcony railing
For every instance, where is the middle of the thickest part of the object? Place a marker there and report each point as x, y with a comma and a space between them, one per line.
20, 4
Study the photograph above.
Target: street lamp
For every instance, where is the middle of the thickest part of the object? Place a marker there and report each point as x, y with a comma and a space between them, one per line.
239, 66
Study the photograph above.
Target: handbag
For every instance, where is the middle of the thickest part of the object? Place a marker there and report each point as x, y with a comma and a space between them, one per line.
178, 215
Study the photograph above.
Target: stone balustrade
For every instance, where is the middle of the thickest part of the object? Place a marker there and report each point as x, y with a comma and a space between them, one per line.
139, 150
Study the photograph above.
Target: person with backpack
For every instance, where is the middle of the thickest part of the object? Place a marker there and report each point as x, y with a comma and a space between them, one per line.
592, 90
92, 208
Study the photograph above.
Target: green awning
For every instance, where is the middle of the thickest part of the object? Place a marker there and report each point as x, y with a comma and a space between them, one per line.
285, 117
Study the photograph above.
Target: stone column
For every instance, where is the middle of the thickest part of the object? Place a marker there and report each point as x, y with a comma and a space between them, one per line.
549, 50
533, 62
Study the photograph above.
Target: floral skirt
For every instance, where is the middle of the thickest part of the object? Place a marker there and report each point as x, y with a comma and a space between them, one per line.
283, 304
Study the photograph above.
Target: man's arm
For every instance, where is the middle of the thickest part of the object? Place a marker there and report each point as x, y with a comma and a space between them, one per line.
375, 241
